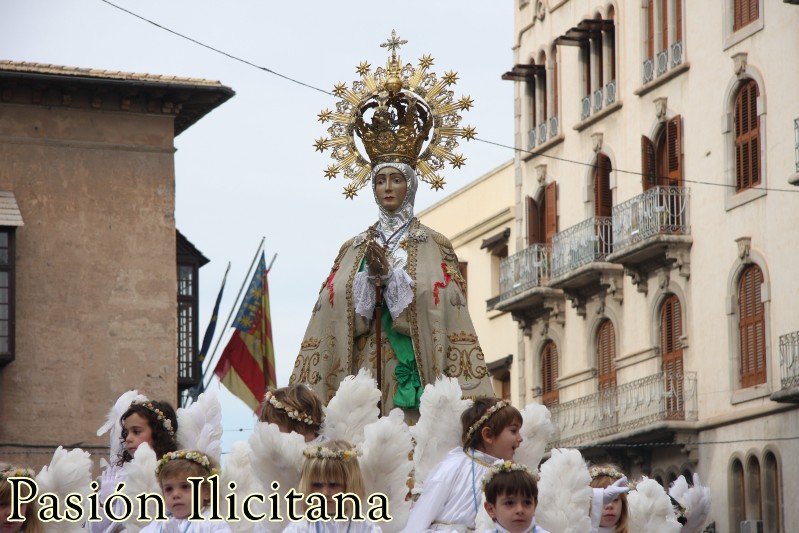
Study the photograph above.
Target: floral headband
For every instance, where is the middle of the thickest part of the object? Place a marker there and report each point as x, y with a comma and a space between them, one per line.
483, 419
500, 467
609, 471
323, 452
165, 422
188, 455
17, 472
294, 414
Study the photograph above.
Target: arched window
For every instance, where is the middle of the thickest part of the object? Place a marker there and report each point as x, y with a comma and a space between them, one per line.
753, 489
549, 373
751, 327
772, 498
737, 492
606, 355
671, 355
747, 136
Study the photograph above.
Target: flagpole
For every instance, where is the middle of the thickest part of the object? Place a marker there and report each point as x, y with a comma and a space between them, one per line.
235, 305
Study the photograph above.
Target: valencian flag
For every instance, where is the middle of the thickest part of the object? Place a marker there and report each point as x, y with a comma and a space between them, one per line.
247, 365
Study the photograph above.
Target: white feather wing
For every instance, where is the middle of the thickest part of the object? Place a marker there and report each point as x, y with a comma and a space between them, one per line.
200, 426
696, 500
68, 472
386, 465
439, 427
564, 494
239, 469
537, 431
112, 421
352, 408
651, 509
139, 475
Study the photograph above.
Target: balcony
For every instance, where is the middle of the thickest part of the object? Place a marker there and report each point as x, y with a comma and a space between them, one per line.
656, 402
584, 243
522, 280
789, 369
653, 230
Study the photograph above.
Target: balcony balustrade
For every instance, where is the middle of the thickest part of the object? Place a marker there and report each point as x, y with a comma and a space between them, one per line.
586, 242
658, 211
664, 396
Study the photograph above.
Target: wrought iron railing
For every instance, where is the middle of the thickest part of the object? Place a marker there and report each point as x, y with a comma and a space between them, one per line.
542, 132
789, 360
599, 99
659, 210
676, 54
554, 127
585, 107
586, 242
649, 70
610, 92
531, 139
524, 270
659, 397
662, 62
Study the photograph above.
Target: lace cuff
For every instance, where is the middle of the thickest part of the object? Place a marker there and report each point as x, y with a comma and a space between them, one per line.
363, 295
399, 291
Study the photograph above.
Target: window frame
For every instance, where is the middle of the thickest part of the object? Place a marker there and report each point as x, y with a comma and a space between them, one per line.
10, 356
732, 36
758, 361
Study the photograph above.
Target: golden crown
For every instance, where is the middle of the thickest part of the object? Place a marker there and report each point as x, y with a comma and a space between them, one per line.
393, 111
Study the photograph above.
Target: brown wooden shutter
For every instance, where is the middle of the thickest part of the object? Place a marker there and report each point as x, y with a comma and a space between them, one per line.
664, 25
753, 10
650, 29
603, 202
671, 355
533, 222
678, 20
648, 168
555, 56
550, 211
737, 17
549, 373
674, 148
744, 12
752, 327
533, 83
747, 136
606, 355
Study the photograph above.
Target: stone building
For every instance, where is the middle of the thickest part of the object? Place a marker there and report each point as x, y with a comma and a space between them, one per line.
90, 259
655, 226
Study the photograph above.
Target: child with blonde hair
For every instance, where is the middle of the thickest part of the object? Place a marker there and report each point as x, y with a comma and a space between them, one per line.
609, 510
29, 511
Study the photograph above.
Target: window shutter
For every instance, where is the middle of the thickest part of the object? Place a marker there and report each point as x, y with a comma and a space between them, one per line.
648, 168
551, 211
737, 16
747, 136
549, 373
752, 326
664, 24
603, 203
753, 10
555, 80
674, 147
678, 20
533, 222
606, 354
671, 355
650, 29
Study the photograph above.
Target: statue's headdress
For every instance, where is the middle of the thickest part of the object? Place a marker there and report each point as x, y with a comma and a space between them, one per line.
394, 111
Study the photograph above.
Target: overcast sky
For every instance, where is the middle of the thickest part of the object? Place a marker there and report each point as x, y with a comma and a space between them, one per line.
248, 169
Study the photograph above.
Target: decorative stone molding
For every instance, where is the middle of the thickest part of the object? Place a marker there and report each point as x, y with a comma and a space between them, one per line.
739, 64
664, 278
597, 139
614, 283
555, 310
744, 247
541, 173
540, 10
682, 260
638, 279
578, 302
661, 105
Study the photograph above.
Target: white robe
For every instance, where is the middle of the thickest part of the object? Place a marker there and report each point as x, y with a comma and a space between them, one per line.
533, 529
184, 525
304, 526
451, 494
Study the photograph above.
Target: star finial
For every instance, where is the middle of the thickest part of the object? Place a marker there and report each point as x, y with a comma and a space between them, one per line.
426, 61
469, 133
458, 160
466, 103
350, 191
320, 144
363, 68
394, 43
437, 183
331, 172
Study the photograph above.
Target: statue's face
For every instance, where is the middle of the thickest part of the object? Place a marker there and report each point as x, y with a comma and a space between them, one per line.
390, 188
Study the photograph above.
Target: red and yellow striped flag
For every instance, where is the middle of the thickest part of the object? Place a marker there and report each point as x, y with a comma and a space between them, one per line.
247, 365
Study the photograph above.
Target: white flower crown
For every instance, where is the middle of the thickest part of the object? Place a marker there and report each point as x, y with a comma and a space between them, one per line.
189, 455
323, 452
16, 472
501, 466
483, 419
165, 422
294, 414
596, 471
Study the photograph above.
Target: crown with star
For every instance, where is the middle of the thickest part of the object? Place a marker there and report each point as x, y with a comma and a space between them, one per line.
401, 114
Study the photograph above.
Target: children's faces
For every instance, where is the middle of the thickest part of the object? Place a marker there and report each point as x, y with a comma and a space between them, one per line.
137, 430
177, 495
514, 512
502, 446
611, 513
5, 511
328, 490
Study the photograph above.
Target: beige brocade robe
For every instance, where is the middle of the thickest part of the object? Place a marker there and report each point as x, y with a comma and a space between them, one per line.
338, 341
